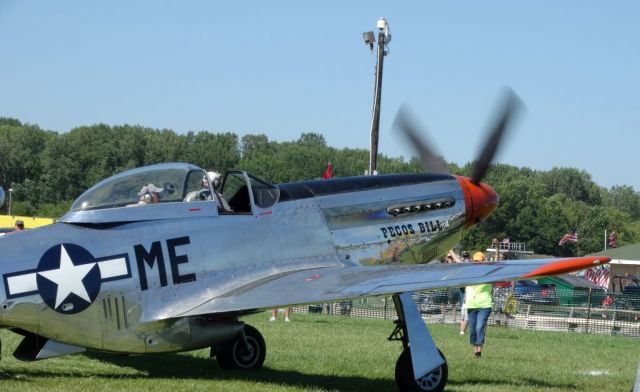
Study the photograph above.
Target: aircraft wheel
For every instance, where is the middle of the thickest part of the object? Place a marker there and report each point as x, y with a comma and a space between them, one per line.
235, 354
433, 382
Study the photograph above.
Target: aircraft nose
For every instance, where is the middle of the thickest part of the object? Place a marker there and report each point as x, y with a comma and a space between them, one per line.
480, 200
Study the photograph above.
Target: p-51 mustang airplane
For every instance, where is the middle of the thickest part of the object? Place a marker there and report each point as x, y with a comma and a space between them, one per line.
175, 275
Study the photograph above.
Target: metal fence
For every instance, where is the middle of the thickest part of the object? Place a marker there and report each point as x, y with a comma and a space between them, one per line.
586, 311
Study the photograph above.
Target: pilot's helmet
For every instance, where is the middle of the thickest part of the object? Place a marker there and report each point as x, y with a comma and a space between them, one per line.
214, 178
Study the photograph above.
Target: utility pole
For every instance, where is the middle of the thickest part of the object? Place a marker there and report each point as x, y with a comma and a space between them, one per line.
384, 37
10, 199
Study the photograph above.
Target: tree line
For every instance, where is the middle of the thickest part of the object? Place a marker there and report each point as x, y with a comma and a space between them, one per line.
48, 170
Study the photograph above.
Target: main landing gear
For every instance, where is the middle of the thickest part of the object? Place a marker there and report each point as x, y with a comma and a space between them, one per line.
421, 366
243, 352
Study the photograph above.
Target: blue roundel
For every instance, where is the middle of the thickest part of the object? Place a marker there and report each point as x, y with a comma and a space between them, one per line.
68, 278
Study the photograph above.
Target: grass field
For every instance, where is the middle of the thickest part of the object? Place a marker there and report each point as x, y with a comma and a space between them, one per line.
320, 353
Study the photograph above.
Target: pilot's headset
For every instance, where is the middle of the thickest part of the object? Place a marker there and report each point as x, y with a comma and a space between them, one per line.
145, 192
147, 197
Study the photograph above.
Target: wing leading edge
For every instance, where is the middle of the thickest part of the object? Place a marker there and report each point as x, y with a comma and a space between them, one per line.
336, 283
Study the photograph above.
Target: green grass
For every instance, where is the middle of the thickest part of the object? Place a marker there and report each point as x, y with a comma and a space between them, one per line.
319, 353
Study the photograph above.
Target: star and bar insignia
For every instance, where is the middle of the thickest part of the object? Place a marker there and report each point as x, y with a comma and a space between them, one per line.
68, 277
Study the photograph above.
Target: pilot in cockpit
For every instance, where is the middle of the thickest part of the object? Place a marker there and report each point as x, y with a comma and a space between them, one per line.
149, 194
209, 191
214, 179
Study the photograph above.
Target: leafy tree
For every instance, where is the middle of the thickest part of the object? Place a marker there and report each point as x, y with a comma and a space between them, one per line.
623, 198
212, 151
574, 183
20, 152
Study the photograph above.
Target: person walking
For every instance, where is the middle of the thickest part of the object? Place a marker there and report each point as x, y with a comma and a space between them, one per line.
478, 302
274, 312
464, 320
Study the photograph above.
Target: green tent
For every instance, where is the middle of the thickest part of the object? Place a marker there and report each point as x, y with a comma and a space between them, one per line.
574, 290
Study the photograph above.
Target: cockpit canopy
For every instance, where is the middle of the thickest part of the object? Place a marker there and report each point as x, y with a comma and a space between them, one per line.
171, 182
170, 190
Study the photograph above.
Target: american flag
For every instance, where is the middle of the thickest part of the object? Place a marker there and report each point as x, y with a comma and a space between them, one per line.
598, 275
590, 274
603, 278
569, 237
612, 239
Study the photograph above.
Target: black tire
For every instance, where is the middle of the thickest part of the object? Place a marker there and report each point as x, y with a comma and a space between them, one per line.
432, 382
234, 354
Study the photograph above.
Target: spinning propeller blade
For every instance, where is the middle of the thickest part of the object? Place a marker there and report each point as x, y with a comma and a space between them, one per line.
431, 162
434, 163
496, 135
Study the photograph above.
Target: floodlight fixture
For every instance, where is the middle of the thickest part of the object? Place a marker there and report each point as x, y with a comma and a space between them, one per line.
369, 39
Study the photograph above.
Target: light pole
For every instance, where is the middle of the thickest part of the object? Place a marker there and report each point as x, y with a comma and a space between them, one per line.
10, 199
384, 37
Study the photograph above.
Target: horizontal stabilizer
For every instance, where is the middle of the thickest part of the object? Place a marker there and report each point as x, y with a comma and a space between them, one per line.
35, 347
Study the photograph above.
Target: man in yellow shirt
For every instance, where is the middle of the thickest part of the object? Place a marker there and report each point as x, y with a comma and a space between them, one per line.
478, 302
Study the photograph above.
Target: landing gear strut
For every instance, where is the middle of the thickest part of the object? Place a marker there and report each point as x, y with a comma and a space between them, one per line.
244, 352
432, 370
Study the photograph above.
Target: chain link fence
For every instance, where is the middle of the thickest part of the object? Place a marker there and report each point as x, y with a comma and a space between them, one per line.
583, 311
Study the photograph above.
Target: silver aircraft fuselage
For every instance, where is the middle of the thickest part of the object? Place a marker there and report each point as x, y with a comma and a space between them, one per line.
118, 279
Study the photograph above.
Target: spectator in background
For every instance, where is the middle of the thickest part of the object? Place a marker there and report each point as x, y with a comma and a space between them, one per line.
19, 225
453, 295
464, 321
478, 302
274, 312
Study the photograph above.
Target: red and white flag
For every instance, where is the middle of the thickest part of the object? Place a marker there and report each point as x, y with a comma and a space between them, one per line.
612, 240
599, 276
603, 277
569, 237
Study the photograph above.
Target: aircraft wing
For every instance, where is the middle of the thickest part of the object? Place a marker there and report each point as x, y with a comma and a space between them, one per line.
336, 283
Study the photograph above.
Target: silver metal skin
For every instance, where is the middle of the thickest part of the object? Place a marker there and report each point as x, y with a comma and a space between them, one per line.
120, 276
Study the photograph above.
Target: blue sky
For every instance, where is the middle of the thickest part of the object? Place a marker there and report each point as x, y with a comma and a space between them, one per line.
286, 67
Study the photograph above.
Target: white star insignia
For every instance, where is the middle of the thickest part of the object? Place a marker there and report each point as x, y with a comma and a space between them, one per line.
68, 278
